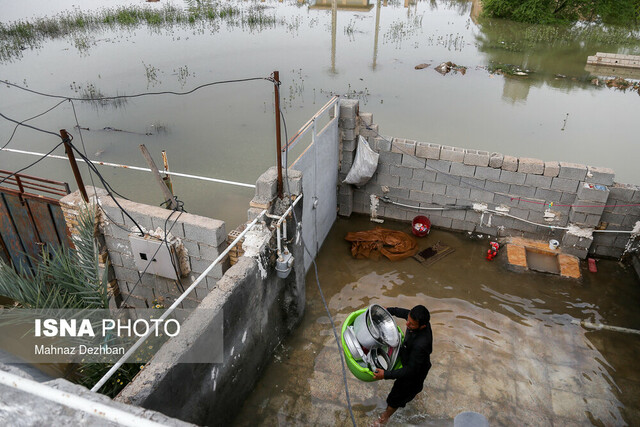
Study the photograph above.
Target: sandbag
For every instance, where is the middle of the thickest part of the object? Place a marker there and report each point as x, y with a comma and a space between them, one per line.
364, 165
393, 244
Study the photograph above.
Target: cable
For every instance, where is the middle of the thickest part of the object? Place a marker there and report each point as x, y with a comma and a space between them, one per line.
26, 120
386, 199
29, 126
107, 98
315, 267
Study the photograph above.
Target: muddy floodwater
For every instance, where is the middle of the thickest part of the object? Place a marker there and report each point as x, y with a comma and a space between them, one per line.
507, 345
366, 49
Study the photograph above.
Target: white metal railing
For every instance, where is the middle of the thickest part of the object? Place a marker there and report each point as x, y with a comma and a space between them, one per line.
79, 403
136, 168
175, 304
310, 124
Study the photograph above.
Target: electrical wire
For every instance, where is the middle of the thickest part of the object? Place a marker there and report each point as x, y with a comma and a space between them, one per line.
32, 164
108, 98
26, 120
315, 267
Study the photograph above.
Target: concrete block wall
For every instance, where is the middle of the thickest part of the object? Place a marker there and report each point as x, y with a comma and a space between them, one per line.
258, 308
531, 191
202, 238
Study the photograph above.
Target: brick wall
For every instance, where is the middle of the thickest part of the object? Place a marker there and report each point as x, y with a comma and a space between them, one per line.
529, 190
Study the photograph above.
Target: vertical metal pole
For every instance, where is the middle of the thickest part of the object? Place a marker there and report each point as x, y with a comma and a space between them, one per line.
276, 78
166, 178
74, 165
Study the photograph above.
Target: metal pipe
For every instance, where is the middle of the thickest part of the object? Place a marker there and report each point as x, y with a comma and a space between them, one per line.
73, 401
137, 168
175, 304
276, 78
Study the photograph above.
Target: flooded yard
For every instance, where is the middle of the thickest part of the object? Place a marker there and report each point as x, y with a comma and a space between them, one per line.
366, 50
507, 345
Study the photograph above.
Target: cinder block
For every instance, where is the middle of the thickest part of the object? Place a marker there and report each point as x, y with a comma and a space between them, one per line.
622, 192
595, 208
487, 173
551, 169
504, 200
267, 184
413, 161
598, 175
533, 204
421, 196
401, 171
462, 225
349, 144
210, 252
348, 135
369, 132
473, 216
458, 192
476, 158
411, 184
538, 181
548, 195
403, 146
440, 221
568, 198
472, 183
522, 190
511, 177
496, 160
612, 218
349, 108
390, 158
453, 154
126, 275
481, 196
577, 217
630, 221
577, 252
443, 200
496, 187
510, 163
439, 165
593, 192
458, 214
388, 180
604, 239
608, 252
399, 192
434, 187
448, 179
427, 150
382, 144
424, 175
347, 123
393, 212
462, 169
345, 207
366, 118
383, 168
572, 171
564, 184
532, 166
198, 266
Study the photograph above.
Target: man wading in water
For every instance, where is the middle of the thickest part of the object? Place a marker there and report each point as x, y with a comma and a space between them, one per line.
414, 355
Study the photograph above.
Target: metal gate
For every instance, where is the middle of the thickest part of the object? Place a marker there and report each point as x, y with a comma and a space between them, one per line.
30, 218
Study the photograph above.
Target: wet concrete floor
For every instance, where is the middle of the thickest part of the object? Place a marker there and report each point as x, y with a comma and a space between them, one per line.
506, 344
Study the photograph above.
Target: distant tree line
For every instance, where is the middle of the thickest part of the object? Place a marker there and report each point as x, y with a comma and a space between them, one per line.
615, 12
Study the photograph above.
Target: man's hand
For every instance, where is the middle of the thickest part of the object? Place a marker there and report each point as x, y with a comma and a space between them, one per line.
379, 374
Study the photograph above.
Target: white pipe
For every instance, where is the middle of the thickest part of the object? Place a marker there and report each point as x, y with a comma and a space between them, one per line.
175, 304
96, 409
137, 168
599, 326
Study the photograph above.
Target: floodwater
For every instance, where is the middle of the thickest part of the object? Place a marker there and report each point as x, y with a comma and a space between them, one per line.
367, 49
507, 345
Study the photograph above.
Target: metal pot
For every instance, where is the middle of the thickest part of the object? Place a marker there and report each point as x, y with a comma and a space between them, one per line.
380, 359
352, 344
375, 327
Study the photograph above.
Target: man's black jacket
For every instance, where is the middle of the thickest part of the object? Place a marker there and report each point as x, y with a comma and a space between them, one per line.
415, 351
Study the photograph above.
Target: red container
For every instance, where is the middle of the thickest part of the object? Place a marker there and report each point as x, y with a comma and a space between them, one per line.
421, 226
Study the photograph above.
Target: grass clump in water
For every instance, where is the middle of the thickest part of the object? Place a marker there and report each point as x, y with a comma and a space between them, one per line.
21, 35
